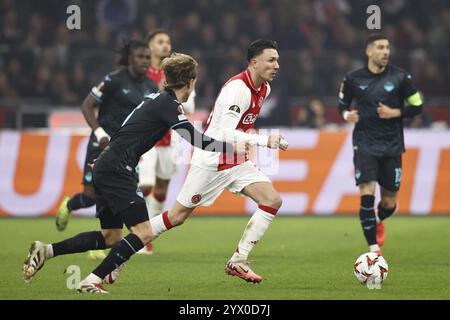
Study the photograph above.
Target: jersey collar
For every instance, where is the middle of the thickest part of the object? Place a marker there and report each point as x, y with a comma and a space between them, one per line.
250, 82
378, 74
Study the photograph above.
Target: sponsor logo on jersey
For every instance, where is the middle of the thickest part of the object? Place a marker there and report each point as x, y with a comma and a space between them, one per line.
196, 198
249, 119
389, 86
363, 87
125, 91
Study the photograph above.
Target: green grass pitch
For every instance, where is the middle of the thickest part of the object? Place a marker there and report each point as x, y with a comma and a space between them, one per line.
299, 257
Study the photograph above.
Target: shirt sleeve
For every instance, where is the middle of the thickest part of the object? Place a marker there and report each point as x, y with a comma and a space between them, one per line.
345, 96
197, 139
235, 99
105, 89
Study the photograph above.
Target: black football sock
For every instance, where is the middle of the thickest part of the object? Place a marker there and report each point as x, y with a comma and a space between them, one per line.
119, 254
368, 220
82, 242
384, 213
79, 201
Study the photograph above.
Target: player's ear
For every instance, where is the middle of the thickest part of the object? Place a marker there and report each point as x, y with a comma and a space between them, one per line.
252, 62
368, 49
191, 83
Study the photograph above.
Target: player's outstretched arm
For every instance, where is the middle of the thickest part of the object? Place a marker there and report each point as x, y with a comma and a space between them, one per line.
230, 121
197, 139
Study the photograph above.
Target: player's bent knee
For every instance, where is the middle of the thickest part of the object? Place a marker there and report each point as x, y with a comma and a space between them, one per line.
388, 203
112, 237
273, 201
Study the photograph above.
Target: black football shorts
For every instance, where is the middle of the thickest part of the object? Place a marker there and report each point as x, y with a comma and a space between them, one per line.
386, 170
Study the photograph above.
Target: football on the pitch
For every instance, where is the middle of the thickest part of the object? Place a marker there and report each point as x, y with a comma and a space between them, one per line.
371, 269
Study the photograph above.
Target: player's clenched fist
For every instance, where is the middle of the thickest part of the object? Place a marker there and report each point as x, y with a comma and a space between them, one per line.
351, 116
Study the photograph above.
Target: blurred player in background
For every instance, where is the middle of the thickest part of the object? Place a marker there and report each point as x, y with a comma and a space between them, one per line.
380, 90
235, 111
116, 96
159, 164
118, 197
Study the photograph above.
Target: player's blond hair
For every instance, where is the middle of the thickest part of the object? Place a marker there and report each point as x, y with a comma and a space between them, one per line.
179, 70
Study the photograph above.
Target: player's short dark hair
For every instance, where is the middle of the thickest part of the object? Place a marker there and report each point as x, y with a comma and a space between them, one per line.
155, 32
258, 46
179, 69
374, 37
127, 48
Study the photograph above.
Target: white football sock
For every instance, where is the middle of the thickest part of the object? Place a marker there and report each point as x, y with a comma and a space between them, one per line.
253, 232
92, 278
158, 225
48, 251
374, 247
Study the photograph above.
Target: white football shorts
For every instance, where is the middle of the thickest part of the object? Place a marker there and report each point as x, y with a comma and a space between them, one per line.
202, 187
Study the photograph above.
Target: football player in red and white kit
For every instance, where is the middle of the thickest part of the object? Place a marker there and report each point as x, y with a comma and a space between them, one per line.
235, 111
159, 164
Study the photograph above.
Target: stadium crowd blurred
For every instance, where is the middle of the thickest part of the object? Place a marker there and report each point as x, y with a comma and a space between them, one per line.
319, 42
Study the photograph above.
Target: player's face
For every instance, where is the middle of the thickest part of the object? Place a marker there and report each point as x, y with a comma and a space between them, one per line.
266, 64
140, 60
379, 52
160, 45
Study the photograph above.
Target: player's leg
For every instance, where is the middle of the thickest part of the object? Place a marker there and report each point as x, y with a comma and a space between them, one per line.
165, 168
386, 207
155, 205
388, 204
169, 219
367, 214
254, 184
390, 178
93, 240
40, 252
201, 188
159, 224
83, 199
158, 198
147, 173
135, 217
147, 180
366, 175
